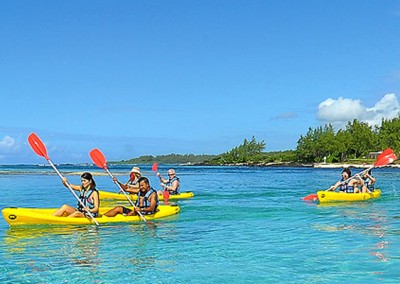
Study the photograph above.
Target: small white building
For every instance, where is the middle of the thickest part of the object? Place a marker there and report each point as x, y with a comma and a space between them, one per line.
374, 155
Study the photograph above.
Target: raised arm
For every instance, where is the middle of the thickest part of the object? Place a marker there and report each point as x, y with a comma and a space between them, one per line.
371, 178
163, 180
73, 186
133, 189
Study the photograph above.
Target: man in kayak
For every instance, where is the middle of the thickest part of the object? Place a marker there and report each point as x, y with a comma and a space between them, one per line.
146, 203
347, 185
88, 194
171, 184
132, 185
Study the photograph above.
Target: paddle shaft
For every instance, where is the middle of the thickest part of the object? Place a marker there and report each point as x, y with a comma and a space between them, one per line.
40, 149
73, 192
126, 195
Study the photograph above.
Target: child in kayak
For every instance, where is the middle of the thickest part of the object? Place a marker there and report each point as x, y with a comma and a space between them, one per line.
369, 182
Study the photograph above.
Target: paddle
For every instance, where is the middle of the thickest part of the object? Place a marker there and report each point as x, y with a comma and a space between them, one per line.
40, 149
100, 160
385, 158
154, 168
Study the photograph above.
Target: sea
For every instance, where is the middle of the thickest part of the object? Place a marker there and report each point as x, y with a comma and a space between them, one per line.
244, 225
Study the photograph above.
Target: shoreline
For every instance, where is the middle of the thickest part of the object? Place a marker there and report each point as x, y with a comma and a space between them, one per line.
332, 166
300, 165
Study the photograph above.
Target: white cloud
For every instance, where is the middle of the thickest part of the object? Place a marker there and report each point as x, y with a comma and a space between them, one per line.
8, 144
339, 112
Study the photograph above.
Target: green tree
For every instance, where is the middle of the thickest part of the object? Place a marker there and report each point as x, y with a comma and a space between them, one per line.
389, 134
316, 144
341, 145
305, 147
249, 151
356, 140
361, 138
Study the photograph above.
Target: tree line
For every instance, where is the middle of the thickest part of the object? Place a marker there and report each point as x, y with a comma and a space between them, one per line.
168, 159
356, 141
252, 152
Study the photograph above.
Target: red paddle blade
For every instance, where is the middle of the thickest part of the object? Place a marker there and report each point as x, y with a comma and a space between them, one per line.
385, 160
166, 195
386, 152
154, 168
37, 145
311, 197
98, 158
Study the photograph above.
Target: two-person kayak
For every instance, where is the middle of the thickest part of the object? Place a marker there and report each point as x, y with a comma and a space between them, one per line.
44, 216
333, 196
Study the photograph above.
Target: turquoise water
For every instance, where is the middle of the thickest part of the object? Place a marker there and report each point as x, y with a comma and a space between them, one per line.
245, 225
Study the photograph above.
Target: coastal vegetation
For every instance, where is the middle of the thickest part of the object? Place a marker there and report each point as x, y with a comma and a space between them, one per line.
252, 152
357, 143
168, 159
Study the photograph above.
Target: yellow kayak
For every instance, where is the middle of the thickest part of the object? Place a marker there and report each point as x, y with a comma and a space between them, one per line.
333, 196
44, 216
104, 195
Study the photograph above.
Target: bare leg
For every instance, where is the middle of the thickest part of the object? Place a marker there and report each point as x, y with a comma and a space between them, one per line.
365, 189
77, 214
64, 210
114, 211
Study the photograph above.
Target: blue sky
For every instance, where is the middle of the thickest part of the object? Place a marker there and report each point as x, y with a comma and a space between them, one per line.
157, 77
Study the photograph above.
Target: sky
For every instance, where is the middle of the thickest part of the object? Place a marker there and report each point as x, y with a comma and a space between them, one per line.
139, 78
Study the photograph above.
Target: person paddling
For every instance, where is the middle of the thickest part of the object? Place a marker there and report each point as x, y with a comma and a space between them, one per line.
348, 186
171, 184
369, 182
146, 203
88, 195
132, 185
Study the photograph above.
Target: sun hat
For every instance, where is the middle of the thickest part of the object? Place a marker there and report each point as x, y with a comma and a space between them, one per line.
136, 170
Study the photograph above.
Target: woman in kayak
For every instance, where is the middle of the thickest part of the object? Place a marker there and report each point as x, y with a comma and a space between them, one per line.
347, 185
88, 194
146, 203
369, 182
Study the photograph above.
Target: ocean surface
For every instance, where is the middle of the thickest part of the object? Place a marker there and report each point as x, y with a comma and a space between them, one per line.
244, 225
